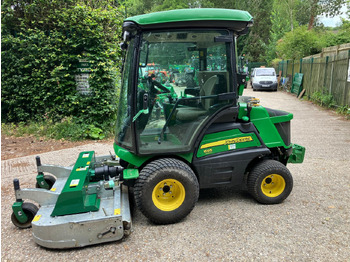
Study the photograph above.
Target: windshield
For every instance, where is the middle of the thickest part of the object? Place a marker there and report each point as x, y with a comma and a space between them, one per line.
178, 86
265, 72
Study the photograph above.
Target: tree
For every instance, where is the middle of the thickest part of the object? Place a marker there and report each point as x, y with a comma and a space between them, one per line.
299, 43
138, 7
288, 8
279, 26
171, 5
327, 7
255, 44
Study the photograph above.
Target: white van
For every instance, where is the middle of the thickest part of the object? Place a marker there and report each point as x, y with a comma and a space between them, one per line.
264, 78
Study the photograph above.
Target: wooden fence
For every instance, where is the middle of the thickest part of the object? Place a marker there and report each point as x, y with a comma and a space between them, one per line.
328, 73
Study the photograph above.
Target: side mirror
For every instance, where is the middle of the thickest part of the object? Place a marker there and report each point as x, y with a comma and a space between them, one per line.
123, 45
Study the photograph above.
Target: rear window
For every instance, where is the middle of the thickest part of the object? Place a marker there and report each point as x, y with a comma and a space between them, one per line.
265, 72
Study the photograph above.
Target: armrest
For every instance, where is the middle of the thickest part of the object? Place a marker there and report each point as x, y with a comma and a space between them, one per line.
192, 91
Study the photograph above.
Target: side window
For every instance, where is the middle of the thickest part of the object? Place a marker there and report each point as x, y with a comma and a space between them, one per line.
217, 58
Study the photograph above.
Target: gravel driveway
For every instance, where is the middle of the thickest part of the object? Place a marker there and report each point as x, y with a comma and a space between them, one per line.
313, 224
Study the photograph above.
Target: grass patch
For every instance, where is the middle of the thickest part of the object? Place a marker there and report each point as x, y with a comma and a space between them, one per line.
322, 99
344, 110
68, 128
326, 100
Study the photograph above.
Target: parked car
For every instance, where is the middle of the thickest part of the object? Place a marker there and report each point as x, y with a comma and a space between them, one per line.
264, 78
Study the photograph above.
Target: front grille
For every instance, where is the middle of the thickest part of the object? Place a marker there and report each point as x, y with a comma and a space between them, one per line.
265, 82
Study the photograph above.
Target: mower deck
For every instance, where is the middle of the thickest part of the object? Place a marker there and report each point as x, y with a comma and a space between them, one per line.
109, 223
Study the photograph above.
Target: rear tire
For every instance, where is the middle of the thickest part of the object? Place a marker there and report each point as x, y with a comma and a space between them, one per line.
270, 182
166, 191
30, 210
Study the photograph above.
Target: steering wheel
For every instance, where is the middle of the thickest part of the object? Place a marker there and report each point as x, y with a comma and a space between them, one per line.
152, 84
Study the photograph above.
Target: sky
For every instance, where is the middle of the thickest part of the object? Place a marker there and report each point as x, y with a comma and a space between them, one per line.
333, 21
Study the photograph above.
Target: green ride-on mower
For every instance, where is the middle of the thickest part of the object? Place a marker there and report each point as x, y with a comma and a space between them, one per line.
206, 135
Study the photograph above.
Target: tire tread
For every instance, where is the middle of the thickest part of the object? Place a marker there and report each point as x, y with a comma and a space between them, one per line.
263, 168
148, 173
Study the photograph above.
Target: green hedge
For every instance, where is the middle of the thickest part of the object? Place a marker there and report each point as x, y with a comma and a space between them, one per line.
40, 60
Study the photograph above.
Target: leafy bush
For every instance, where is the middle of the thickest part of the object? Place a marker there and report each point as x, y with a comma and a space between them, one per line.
340, 35
323, 99
299, 43
42, 43
345, 110
275, 62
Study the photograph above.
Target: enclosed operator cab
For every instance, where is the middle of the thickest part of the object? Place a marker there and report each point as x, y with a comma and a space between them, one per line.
157, 118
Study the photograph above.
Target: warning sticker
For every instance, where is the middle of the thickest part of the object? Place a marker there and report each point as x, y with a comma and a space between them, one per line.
117, 211
74, 183
36, 218
81, 168
232, 146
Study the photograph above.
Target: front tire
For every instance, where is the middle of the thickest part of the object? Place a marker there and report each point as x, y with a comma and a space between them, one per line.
270, 182
30, 210
166, 191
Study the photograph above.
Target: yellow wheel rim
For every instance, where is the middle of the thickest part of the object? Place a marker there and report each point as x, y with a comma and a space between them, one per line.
273, 185
168, 195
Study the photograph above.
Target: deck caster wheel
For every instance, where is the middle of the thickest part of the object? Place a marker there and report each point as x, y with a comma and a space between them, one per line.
50, 180
166, 191
270, 182
30, 210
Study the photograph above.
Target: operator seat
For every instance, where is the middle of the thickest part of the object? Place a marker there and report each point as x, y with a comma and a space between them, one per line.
207, 90
192, 113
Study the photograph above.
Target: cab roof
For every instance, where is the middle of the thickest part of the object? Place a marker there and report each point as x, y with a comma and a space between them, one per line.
199, 17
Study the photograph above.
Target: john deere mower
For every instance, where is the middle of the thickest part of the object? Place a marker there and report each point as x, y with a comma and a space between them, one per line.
206, 135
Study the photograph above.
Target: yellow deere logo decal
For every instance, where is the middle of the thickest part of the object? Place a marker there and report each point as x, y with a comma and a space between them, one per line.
228, 141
